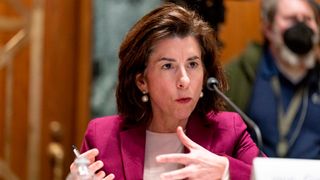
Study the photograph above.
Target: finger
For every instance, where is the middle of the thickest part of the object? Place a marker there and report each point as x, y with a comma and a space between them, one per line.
100, 175
94, 167
182, 173
109, 177
185, 140
90, 154
174, 158
72, 167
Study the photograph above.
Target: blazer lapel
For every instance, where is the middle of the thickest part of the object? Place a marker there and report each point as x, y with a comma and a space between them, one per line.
132, 150
199, 131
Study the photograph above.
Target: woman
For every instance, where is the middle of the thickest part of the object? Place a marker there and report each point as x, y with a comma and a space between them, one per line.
169, 125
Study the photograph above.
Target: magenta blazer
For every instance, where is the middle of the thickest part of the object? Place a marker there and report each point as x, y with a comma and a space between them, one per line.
122, 150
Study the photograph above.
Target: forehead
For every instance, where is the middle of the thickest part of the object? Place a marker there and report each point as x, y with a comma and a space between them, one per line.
176, 44
294, 7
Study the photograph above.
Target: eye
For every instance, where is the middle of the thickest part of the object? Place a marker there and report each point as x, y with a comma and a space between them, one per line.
166, 66
290, 19
193, 64
308, 19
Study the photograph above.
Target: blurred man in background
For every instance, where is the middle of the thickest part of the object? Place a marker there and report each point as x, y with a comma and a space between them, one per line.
277, 84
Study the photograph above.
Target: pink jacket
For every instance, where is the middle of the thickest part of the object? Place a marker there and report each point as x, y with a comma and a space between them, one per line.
122, 150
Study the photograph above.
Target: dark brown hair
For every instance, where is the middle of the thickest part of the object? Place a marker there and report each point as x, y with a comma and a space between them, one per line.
168, 20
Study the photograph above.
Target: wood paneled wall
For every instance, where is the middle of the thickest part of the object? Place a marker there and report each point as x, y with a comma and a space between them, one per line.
242, 25
44, 86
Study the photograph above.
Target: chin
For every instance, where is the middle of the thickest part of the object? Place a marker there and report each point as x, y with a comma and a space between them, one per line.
307, 61
183, 115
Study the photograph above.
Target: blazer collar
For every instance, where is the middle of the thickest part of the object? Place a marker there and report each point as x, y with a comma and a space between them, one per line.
132, 149
198, 131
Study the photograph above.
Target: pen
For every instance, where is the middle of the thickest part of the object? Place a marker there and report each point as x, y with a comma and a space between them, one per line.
75, 150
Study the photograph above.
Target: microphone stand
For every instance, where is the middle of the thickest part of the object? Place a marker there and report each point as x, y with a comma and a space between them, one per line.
211, 85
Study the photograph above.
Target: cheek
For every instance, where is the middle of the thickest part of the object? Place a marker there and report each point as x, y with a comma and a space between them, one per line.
314, 27
199, 85
275, 35
160, 93
159, 86
198, 82
280, 26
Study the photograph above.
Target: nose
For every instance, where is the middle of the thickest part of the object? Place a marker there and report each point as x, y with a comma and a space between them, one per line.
183, 79
300, 18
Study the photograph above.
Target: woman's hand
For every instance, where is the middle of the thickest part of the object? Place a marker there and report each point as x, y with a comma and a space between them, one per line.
199, 163
94, 166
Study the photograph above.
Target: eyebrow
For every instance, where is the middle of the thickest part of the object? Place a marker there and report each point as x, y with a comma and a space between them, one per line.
171, 59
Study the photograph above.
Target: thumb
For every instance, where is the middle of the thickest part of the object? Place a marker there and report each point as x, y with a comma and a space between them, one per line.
185, 140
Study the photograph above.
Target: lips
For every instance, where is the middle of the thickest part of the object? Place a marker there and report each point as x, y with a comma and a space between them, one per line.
183, 100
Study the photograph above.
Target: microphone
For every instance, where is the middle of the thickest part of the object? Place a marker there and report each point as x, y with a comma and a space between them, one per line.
212, 84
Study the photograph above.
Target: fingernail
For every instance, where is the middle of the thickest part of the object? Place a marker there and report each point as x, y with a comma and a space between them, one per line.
101, 163
158, 158
112, 176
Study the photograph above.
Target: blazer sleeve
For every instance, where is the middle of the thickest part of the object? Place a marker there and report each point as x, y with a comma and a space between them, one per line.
245, 151
88, 141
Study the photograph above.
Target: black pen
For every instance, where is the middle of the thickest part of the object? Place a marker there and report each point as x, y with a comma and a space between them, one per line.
75, 150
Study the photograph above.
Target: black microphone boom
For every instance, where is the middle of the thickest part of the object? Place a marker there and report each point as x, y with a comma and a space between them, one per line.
212, 86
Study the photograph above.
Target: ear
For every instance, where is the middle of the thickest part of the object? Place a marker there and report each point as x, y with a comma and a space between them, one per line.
141, 82
267, 29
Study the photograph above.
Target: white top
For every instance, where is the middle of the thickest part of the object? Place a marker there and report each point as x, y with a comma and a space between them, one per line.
156, 144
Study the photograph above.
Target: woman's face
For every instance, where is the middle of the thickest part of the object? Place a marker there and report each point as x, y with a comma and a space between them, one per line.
173, 77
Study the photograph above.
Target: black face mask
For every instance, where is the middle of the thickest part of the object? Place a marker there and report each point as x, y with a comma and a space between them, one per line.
299, 38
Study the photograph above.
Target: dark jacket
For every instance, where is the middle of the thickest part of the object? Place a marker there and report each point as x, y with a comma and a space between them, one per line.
241, 74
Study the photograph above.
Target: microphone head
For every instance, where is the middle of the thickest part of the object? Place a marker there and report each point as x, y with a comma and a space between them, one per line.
211, 82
